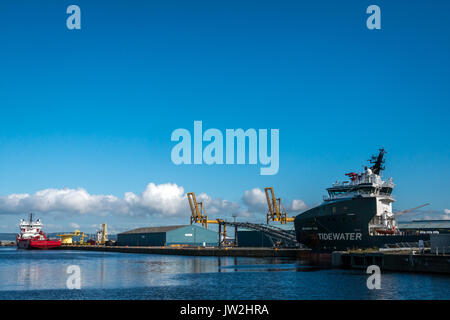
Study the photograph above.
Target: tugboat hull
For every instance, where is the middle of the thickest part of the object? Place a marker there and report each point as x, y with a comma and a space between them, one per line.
38, 244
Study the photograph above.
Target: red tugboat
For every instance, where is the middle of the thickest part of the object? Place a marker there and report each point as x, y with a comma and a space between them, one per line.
32, 237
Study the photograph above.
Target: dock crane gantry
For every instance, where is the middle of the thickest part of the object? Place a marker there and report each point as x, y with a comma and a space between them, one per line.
276, 209
66, 238
199, 216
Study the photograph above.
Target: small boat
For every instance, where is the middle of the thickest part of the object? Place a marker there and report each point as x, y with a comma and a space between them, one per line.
386, 231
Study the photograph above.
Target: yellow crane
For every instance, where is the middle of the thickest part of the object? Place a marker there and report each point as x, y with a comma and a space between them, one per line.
67, 238
199, 215
276, 209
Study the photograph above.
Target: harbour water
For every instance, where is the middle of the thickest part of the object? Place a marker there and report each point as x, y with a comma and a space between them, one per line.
107, 275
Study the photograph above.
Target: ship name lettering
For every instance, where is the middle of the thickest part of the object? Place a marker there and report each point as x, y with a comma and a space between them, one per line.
340, 236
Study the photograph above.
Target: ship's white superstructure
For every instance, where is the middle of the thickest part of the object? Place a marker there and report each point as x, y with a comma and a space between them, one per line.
369, 184
31, 229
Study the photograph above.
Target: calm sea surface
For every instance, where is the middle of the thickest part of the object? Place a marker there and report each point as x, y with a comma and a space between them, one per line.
43, 275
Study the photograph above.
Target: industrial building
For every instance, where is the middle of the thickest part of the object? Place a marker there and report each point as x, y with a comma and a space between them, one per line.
169, 235
440, 243
425, 226
252, 238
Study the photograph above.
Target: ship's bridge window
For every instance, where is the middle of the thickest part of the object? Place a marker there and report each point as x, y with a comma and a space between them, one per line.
336, 193
367, 189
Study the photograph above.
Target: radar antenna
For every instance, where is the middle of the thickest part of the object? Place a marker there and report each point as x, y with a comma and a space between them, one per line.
377, 162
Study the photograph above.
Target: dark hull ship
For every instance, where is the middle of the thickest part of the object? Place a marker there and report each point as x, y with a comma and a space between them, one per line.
355, 214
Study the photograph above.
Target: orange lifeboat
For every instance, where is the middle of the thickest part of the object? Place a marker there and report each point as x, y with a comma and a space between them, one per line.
386, 231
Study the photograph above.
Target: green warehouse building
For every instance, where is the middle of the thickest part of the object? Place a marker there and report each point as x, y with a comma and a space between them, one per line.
170, 235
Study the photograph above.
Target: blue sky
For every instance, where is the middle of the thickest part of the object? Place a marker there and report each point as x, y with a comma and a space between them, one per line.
95, 108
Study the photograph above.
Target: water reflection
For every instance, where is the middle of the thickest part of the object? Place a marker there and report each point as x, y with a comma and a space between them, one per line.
31, 270
108, 275
274, 267
226, 264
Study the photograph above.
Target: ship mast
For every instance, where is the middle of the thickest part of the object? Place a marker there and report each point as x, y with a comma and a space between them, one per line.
377, 162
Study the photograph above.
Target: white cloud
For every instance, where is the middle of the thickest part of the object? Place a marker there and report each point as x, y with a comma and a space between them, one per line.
164, 199
75, 225
436, 217
217, 206
426, 215
297, 205
61, 200
255, 199
446, 215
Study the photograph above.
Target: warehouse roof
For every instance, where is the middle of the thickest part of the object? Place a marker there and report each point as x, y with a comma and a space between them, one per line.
154, 229
424, 224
